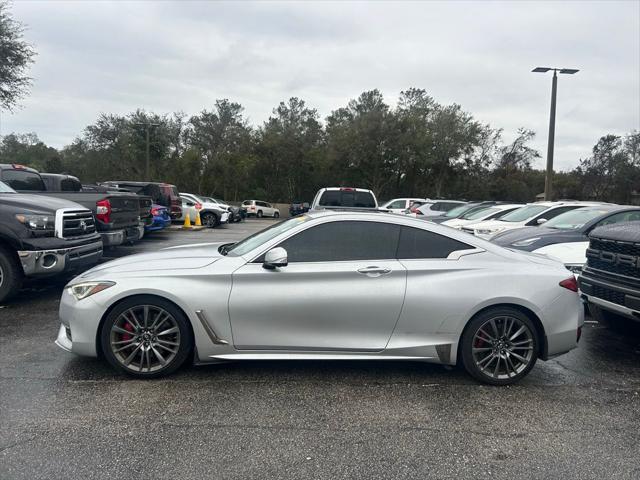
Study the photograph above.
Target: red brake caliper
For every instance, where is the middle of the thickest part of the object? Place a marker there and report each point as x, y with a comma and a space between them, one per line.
129, 328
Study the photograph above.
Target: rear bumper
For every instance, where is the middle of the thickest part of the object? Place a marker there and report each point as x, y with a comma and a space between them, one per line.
158, 224
49, 262
118, 237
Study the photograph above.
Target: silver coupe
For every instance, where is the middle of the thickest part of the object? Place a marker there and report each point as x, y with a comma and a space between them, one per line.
327, 285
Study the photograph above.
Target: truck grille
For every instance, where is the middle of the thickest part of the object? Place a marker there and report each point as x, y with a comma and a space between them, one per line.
609, 295
76, 223
617, 248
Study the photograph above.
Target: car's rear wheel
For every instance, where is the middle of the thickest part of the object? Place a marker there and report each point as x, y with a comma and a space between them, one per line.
259, 214
146, 336
209, 219
500, 346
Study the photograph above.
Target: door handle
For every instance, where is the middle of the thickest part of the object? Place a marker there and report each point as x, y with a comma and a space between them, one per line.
374, 271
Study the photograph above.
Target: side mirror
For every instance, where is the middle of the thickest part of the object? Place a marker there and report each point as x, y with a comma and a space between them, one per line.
275, 258
541, 221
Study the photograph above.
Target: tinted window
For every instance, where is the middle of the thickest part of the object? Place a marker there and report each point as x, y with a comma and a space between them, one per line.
621, 217
551, 214
418, 243
347, 198
524, 213
23, 180
70, 185
337, 241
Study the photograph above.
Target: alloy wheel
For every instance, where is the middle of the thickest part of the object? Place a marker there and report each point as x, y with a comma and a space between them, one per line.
503, 347
145, 338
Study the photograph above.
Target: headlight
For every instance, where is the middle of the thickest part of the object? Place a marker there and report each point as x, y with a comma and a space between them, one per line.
86, 289
576, 268
525, 243
489, 231
37, 222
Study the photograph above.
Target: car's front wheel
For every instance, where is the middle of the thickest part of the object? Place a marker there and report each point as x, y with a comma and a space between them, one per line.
146, 336
276, 215
500, 346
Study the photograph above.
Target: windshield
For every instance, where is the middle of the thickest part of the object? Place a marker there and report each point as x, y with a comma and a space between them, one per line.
524, 213
575, 218
264, 236
485, 212
456, 212
4, 188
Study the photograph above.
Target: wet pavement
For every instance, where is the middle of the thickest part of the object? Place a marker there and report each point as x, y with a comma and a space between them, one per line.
62, 416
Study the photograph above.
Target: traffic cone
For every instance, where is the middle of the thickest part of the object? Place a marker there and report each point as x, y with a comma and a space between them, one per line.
187, 222
198, 222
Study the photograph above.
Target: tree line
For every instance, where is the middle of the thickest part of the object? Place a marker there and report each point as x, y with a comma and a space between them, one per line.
418, 148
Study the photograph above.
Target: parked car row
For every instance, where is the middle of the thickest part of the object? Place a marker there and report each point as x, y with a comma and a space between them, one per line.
52, 223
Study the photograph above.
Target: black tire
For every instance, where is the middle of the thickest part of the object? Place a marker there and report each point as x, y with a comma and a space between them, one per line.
178, 319
11, 274
472, 336
209, 219
608, 319
276, 215
259, 214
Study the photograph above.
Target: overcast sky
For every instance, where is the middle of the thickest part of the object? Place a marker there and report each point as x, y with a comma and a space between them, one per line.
167, 56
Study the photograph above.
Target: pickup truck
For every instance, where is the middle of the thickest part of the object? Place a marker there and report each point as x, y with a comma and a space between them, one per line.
117, 215
42, 238
610, 280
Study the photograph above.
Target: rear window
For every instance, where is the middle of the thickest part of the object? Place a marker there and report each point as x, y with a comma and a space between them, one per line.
23, 180
417, 243
347, 198
70, 185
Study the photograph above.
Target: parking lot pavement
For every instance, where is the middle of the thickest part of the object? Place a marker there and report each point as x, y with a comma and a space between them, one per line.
63, 416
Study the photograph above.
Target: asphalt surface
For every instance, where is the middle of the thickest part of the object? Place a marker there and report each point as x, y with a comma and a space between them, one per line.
67, 417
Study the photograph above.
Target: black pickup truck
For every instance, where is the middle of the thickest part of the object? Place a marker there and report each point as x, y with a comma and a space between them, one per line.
117, 215
610, 280
43, 238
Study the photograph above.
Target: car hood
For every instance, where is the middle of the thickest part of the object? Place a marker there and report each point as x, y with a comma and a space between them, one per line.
37, 203
545, 236
173, 258
491, 224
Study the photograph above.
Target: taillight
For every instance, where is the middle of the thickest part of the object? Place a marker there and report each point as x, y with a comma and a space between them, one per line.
103, 211
415, 210
155, 212
252, 207
570, 284
198, 206
347, 189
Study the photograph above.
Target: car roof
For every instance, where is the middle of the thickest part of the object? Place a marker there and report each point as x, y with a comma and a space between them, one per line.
357, 189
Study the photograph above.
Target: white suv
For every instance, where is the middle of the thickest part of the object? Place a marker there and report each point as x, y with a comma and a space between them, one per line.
344, 197
211, 214
530, 215
399, 205
260, 209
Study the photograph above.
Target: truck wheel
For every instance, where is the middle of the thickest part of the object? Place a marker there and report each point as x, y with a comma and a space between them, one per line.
11, 274
608, 319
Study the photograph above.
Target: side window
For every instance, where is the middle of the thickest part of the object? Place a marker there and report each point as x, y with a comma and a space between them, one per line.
342, 241
70, 185
549, 214
418, 243
397, 204
621, 217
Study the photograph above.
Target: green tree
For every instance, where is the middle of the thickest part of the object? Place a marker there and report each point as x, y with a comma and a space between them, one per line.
16, 55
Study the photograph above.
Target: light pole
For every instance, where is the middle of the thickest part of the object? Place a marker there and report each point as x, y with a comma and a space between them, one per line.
148, 126
552, 123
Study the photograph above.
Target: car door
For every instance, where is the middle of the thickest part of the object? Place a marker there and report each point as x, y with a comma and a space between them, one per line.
269, 210
342, 290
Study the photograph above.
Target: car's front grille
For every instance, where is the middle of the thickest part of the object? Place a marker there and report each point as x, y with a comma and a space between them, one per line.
605, 255
76, 223
607, 294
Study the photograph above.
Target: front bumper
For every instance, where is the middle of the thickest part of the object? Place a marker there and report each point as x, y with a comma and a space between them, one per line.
49, 262
610, 296
79, 321
224, 218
